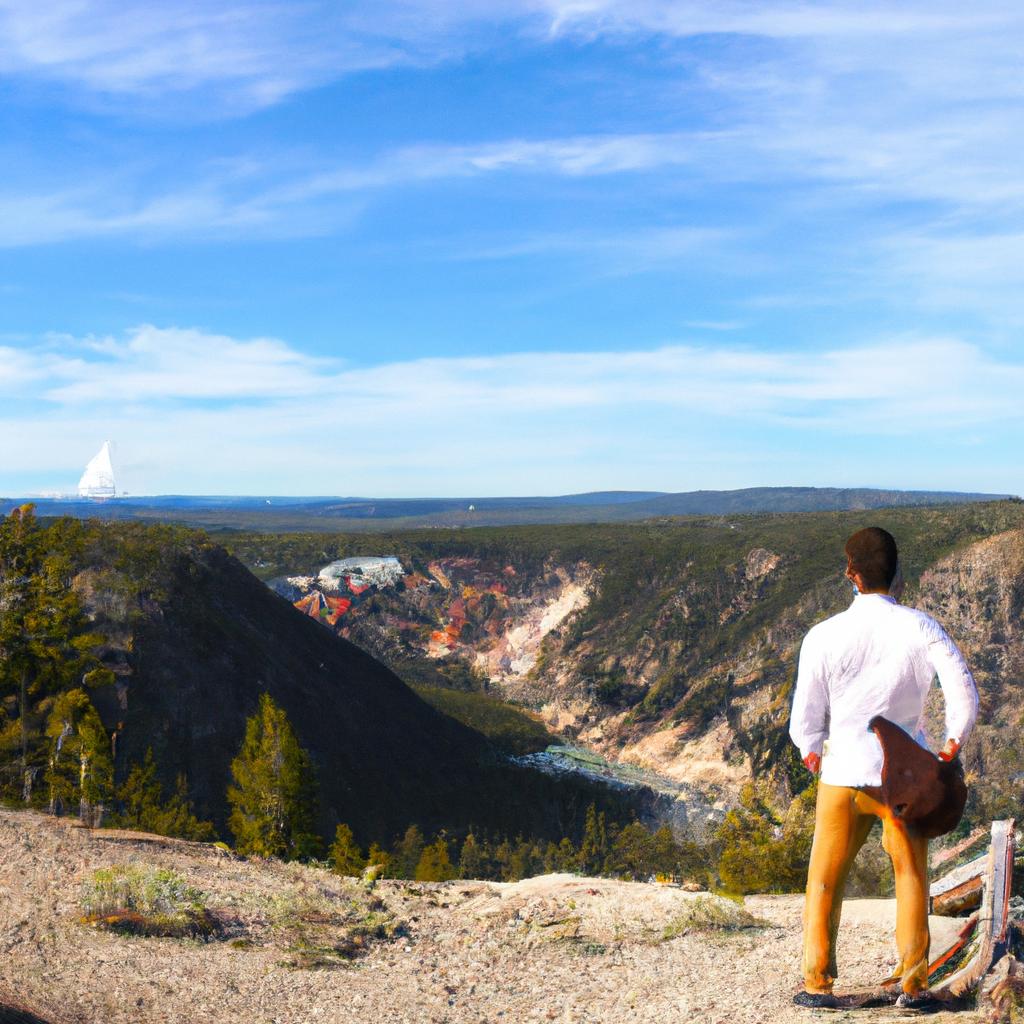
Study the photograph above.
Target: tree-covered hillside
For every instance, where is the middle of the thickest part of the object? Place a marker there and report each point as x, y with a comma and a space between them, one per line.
117, 639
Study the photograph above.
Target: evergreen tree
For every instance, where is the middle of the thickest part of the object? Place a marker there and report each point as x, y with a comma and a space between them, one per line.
525, 861
632, 853
434, 864
46, 645
552, 860
345, 856
407, 853
272, 797
142, 806
760, 853
80, 769
471, 860
665, 853
178, 817
594, 848
379, 856
695, 863
568, 855
503, 861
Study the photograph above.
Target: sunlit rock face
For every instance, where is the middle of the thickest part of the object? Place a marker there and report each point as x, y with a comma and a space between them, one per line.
489, 615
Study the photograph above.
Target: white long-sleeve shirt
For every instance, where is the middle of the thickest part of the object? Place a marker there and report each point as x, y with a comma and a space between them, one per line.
876, 658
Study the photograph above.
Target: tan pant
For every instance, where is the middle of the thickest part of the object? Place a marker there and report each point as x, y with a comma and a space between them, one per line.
843, 818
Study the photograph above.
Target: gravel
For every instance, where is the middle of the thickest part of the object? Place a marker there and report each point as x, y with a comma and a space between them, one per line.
556, 948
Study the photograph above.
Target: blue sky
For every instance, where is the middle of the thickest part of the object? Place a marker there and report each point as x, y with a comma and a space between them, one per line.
486, 247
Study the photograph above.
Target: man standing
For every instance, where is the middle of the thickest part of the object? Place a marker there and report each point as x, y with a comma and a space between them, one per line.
875, 658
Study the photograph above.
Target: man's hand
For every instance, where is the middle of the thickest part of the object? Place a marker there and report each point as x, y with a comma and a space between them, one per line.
813, 762
950, 750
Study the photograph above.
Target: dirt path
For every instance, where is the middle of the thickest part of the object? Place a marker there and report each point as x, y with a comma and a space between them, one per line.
557, 948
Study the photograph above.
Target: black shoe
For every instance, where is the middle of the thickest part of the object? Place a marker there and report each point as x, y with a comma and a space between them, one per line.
921, 1002
816, 1000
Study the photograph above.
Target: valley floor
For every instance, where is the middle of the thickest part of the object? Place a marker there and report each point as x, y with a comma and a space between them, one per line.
557, 948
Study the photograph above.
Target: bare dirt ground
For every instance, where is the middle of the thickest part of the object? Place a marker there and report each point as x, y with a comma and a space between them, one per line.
557, 948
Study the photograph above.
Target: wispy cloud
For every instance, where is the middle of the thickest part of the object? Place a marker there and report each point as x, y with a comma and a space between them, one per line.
840, 104
184, 401
979, 271
614, 252
155, 364
892, 382
274, 199
241, 55
892, 130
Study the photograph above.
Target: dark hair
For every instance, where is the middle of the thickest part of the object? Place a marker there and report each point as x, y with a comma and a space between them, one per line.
872, 553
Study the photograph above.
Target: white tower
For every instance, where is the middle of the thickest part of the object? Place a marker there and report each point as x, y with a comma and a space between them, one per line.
98, 479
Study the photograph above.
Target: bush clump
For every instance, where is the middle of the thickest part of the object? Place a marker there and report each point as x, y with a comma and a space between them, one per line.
325, 930
711, 914
141, 900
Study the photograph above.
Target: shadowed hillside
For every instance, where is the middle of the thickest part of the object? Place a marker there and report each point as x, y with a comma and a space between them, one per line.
185, 640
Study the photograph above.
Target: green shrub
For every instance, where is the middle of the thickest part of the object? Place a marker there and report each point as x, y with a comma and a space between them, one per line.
142, 900
711, 914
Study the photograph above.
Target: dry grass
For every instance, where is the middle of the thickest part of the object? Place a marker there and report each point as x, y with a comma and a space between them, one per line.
322, 929
137, 899
711, 914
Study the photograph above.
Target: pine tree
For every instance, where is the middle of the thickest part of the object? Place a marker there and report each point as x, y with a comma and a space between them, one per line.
551, 858
434, 864
46, 645
568, 855
178, 817
665, 853
632, 853
273, 799
750, 847
503, 861
142, 806
80, 769
345, 856
407, 853
471, 860
140, 796
594, 848
524, 861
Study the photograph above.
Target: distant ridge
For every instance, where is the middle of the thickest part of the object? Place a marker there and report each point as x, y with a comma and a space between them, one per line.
329, 514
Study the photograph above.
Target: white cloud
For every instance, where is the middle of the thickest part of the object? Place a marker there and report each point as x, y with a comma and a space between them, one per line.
219, 204
845, 105
892, 381
209, 413
243, 54
980, 271
155, 364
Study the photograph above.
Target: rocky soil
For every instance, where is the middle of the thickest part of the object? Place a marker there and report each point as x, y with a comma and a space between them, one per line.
556, 948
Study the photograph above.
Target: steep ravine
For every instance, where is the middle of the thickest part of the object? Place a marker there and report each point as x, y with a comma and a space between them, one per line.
686, 669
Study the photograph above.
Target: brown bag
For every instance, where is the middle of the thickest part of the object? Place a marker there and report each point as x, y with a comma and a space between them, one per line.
927, 794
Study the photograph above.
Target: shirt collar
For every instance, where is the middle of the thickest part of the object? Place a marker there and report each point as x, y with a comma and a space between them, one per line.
865, 600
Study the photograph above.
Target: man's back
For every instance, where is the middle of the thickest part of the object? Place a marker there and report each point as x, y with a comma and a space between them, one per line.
875, 658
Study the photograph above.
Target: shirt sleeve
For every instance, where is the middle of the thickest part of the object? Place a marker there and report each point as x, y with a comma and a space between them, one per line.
808, 724
958, 688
